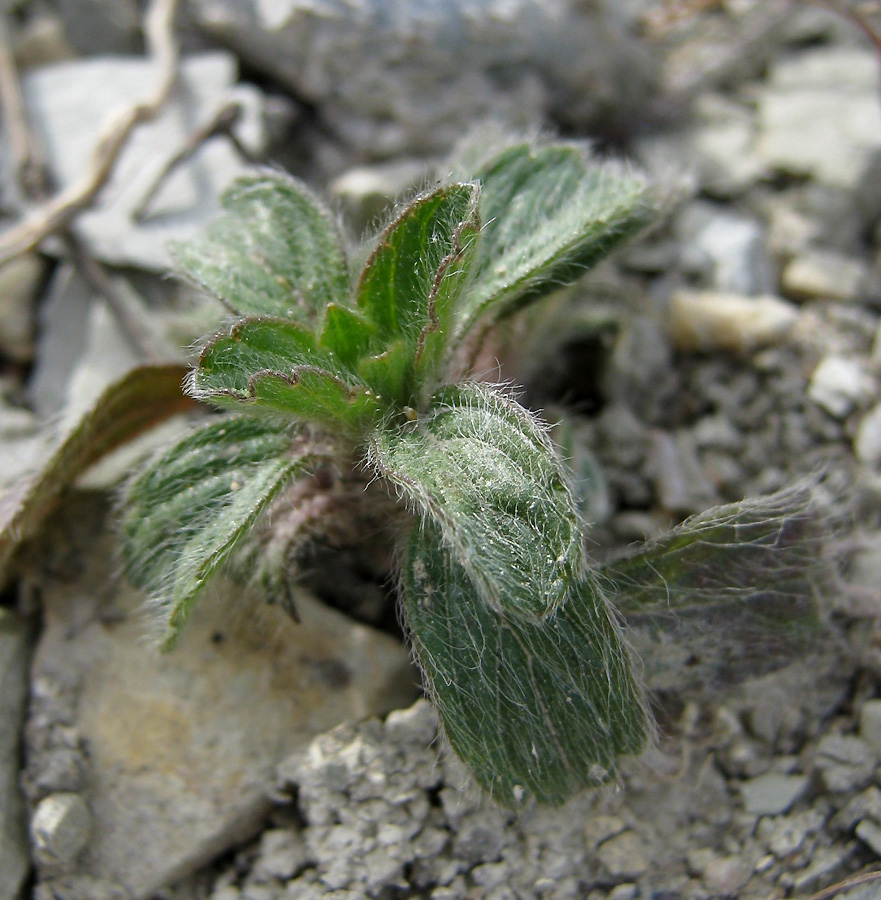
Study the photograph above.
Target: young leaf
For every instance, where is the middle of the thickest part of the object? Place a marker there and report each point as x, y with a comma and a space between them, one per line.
533, 707
548, 214
277, 251
189, 509
316, 395
347, 334
278, 365
727, 595
142, 399
412, 278
483, 469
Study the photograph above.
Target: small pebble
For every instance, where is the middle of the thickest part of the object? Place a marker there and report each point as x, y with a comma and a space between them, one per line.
845, 762
824, 275
706, 321
601, 828
839, 384
870, 724
726, 876
867, 440
773, 794
869, 833
625, 855
60, 829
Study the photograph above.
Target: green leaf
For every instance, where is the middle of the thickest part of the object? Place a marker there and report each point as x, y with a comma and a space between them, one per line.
483, 469
533, 707
276, 251
548, 214
316, 395
415, 273
139, 401
188, 510
729, 594
278, 365
347, 334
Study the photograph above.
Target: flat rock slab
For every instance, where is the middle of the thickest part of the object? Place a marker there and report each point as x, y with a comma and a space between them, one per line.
69, 104
182, 746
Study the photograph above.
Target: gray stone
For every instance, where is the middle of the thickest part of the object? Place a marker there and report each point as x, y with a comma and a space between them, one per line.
680, 484
773, 794
15, 645
867, 440
787, 834
282, 854
625, 855
63, 322
825, 862
68, 105
870, 721
824, 275
844, 762
183, 747
839, 384
865, 804
20, 279
707, 321
819, 116
726, 876
395, 78
60, 829
625, 891
734, 248
869, 833
101, 26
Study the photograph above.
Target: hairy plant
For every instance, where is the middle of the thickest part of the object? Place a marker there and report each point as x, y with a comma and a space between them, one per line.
332, 381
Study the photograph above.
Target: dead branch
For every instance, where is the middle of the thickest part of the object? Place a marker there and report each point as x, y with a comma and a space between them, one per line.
57, 213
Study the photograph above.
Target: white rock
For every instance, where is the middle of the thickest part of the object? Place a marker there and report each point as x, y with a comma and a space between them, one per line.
183, 746
819, 115
839, 384
734, 247
867, 440
60, 829
706, 321
825, 275
68, 104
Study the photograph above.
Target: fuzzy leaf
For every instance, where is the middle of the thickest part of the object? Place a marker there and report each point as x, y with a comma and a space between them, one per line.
412, 278
483, 469
140, 400
347, 334
276, 251
533, 707
729, 594
187, 511
548, 214
278, 365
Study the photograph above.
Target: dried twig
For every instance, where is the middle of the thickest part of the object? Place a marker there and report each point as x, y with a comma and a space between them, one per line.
120, 304
222, 122
58, 212
835, 889
28, 158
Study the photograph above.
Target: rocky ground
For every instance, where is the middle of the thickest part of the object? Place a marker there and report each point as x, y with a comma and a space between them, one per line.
731, 352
